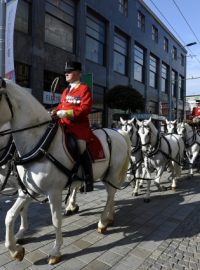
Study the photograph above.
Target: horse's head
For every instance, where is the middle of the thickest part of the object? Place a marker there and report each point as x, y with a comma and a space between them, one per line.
145, 132
6, 112
171, 126
181, 129
129, 127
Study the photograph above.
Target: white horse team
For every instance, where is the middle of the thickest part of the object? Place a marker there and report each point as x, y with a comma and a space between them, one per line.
150, 150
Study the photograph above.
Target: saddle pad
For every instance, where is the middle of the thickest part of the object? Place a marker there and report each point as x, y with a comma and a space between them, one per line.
95, 148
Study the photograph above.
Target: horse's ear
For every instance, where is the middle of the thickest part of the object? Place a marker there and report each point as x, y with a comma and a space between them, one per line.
122, 120
2, 83
139, 123
148, 121
167, 122
175, 121
132, 120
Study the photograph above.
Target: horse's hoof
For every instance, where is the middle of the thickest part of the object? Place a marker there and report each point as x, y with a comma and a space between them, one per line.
174, 189
54, 260
101, 230
19, 255
110, 222
136, 194
146, 200
71, 212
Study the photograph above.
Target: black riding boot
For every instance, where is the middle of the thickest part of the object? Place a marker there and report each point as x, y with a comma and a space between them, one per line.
86, 162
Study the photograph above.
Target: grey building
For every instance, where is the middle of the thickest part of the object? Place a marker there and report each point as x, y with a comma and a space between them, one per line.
117, 41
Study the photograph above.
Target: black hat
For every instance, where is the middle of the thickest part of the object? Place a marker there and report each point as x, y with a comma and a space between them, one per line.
70, 66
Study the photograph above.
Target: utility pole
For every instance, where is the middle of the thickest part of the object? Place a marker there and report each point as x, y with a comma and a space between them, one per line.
2, 36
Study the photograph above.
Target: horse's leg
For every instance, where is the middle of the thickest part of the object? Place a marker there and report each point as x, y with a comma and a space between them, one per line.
24, 222
192, 160
172, 166
157, 179
72, 207
107, 217
16, 251
55, 201
137, 182
147, 197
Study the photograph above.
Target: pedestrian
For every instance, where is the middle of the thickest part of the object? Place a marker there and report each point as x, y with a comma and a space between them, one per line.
73, 110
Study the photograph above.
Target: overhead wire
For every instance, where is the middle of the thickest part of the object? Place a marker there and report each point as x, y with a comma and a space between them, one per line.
176, 5
186, 20
174, 29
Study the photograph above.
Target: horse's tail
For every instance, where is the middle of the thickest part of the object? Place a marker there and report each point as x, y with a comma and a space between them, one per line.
122, 175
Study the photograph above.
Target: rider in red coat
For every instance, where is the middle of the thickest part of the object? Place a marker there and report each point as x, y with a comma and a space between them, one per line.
73, 110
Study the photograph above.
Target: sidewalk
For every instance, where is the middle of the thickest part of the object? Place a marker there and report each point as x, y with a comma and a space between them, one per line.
162, 234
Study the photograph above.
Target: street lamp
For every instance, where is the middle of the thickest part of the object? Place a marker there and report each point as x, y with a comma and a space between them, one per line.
184, 97
190, 44
170, 93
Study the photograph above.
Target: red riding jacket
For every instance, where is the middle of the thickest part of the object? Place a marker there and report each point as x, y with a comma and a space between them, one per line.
79, 99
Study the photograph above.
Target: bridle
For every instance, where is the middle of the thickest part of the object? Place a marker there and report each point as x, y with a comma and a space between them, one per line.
149, 135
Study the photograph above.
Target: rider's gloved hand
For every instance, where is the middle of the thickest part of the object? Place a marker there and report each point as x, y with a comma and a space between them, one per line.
69, 114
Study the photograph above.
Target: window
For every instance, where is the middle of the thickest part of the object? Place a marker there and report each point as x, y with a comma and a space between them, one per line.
181, 88
23, 16
166, 44
139, 67
141, 21
49, 76
60, 24
95, 39
153, 71
173, 83
174, 53
22, 74
154, 34
164, 78
120, 52
123, 7
96, 117
182, 60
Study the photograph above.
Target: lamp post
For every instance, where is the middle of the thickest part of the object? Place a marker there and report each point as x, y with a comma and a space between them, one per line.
2, 37
170, 82
184, 95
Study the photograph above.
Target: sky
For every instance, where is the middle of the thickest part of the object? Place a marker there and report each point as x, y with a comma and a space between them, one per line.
182, 18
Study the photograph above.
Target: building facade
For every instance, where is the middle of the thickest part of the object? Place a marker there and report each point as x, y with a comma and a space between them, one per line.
118, 42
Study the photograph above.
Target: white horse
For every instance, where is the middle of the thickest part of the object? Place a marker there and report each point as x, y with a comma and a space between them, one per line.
6, 154
42, 176
192, 142
161, 151
136, 166
171, 126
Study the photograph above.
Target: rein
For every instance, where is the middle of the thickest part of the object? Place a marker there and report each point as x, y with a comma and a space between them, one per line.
9, 131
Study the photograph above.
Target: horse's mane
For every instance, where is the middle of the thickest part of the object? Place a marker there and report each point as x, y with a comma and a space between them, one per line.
19, 94
152, 126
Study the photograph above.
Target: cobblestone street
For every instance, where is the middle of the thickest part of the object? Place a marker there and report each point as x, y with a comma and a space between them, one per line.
162, 234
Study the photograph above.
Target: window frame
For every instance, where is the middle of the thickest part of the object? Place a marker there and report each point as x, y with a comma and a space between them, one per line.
123, 7
153, 71
139, 61
154, 33
90, 35
141, 21
121, 38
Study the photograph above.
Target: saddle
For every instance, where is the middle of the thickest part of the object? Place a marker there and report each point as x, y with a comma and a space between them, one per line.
94, 147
